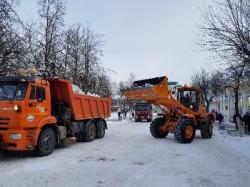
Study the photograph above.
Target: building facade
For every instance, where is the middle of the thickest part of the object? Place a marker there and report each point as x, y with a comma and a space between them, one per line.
225, 103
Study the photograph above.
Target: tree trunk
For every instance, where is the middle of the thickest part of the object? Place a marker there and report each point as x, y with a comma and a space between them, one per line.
236, 103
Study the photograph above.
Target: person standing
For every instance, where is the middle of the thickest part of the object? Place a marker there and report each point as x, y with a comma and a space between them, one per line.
235, 121
119, 114
246, 120
221, 126
220, 118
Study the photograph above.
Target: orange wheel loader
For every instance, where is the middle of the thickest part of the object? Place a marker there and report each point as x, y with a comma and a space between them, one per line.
184, 109
38, 114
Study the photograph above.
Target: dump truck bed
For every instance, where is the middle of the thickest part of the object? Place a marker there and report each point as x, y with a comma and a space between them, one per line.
83, 106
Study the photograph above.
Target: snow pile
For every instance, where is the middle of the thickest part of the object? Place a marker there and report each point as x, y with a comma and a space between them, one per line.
78, 90
91, 94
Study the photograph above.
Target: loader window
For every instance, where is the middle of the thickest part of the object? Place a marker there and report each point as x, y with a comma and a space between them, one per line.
194, 100
189, 99
185, 98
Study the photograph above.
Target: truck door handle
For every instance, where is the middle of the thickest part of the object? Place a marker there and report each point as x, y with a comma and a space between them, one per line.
32, 104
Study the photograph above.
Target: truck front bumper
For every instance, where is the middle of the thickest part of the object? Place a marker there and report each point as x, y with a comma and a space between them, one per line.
16, 140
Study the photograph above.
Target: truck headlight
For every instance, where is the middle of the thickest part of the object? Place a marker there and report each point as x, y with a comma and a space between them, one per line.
15, 136
17, 108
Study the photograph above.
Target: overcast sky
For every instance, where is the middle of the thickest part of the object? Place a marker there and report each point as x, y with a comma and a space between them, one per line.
146, 37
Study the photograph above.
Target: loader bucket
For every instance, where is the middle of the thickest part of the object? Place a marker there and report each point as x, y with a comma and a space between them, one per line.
149, 82
148, 89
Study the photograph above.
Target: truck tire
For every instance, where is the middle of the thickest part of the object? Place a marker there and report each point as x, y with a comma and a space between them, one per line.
80, 137
207, 129
46, 142
155, 128
89, 132
185, 131
100, 129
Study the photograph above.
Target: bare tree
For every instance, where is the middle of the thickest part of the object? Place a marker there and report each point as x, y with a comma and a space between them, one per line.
73, 54
123, 85
91, 52
209, 83
235, 80
72, 61
225, 29
82, 52
52, 14
11, 42
226, 33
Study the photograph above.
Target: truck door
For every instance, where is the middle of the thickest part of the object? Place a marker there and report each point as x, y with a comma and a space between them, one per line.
38, 106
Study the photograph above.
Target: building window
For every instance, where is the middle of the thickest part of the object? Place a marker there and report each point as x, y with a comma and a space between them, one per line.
241, 102
248, 102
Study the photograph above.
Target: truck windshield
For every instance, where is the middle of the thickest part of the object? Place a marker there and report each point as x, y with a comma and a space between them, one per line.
12, 91
142, 107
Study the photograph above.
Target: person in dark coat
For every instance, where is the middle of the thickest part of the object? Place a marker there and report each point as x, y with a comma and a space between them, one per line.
220, 118
246, 120
234, 120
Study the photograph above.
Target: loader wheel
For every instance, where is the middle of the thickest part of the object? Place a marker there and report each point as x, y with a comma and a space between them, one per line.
207, 129
100, 129
46, 142
155, 128
90, 132
185, 131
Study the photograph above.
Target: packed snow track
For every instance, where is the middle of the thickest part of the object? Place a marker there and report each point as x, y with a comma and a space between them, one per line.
129, 156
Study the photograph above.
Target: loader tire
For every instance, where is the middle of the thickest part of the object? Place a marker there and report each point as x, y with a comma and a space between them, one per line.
89, 132
155, 128
185, 131
100, 129
207, 129
46, 142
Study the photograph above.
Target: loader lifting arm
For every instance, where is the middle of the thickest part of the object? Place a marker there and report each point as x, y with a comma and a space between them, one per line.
155, 91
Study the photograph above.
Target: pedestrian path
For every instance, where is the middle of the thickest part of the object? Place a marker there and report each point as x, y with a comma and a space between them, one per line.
230, 128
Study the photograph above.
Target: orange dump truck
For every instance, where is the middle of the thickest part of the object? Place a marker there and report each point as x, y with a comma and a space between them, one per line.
38, 114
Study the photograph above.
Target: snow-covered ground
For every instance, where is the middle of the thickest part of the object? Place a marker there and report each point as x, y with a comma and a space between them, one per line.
129, 156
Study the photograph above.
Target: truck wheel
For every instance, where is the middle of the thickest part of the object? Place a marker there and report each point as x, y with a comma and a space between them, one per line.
90, 132
46, 142
80, 137
207, 129
100, 129
185, 131
155, 128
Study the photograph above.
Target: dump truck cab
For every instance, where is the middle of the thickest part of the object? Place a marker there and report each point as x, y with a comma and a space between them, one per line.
24, 106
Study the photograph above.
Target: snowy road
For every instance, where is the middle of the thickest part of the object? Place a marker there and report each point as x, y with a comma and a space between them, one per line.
129, 156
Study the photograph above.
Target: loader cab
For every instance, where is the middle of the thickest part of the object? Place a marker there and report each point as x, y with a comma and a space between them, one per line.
190, 97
